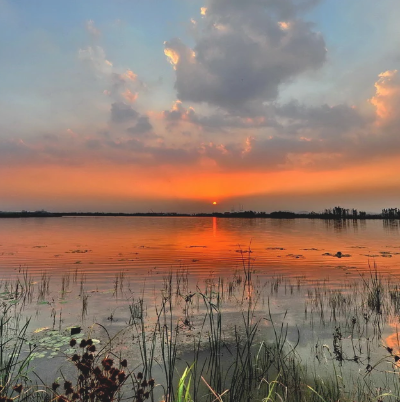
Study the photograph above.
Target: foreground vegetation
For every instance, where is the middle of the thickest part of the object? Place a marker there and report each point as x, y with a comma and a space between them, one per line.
221, 341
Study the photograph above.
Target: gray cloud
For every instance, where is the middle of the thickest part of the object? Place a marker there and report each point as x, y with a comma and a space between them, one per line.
216, 121
324, 121
121, 113
142, 126
245, 52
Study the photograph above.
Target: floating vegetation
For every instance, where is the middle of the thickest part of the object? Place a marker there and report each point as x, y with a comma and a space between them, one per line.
296, 256
51, 343
339, 254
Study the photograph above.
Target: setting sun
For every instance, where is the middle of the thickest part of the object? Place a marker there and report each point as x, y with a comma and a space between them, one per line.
215, 203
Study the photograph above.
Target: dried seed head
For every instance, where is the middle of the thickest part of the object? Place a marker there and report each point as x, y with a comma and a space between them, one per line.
144, 383
75, 358
146, 395
124, 363
18, 388
140, 376
92, 348
72, 343
69, 391
83, 343
89, 342
54, 386
121, 376
67, 384
151, 382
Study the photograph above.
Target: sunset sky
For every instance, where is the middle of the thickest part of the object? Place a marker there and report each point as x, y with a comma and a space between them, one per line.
171, 105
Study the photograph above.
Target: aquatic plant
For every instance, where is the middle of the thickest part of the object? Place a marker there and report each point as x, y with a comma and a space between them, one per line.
101, 381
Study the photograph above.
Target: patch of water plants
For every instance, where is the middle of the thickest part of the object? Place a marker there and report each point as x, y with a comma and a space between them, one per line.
51, 343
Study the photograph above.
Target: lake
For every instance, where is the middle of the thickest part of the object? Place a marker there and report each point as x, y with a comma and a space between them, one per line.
312, 277
102, 246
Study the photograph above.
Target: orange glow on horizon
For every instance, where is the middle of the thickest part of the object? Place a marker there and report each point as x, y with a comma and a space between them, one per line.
130, 185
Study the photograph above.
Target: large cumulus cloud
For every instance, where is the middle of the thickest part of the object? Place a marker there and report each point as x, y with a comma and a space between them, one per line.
245, 52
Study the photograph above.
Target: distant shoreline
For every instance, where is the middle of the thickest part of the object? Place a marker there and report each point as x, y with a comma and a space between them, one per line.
246, 215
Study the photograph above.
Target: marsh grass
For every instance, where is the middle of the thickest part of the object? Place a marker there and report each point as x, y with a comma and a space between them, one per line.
202, 350
14, 362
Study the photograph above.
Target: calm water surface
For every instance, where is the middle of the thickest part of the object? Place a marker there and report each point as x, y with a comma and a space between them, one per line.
143, 246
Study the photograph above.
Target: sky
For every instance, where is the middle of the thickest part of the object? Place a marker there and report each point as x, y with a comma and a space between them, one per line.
172, 105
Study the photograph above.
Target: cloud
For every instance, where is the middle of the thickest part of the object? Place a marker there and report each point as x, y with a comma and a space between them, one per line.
216, 121
142, 128
325, 120
119, 86
91, 28
244, 54
96, 57
129, 96
387, 97
131, 75
285, 136
121, 113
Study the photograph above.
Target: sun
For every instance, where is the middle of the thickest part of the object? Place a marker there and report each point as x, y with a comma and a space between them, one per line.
215, 203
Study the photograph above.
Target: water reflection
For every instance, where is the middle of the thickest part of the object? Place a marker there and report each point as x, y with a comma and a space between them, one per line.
103, 246
391, 225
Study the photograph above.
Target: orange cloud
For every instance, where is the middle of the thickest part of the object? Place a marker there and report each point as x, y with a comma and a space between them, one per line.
130, 96
284, 25
387, 97
203, 11
172, 56
131, 75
